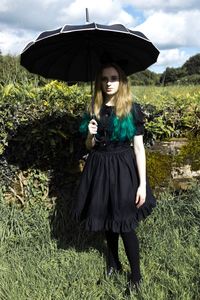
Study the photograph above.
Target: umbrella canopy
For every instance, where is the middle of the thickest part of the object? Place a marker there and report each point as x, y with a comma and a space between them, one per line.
73, 53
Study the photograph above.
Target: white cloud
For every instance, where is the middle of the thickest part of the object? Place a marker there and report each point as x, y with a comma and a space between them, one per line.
104, 11
169, 30
97, 10
27, 19
172, 57
169, 5
4, 5
33, 15
13, 42
170, 25
48, 14
123, 18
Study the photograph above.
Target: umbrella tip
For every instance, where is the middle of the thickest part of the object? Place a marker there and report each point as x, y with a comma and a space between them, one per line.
87, 15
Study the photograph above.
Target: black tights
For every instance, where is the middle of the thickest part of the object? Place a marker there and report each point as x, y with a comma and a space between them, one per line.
131, 246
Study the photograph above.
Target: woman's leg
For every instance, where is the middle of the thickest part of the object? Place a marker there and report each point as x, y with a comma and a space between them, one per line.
131, 245
112, 248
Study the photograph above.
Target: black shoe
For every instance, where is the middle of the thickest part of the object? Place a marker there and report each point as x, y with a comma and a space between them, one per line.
133, 286
113, 270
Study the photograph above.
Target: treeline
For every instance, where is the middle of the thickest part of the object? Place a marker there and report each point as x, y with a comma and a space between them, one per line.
188, 73
12, 72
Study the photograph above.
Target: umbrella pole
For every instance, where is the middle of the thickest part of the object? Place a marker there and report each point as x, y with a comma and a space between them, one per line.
91, 88
87, 15
90, 67
92, 98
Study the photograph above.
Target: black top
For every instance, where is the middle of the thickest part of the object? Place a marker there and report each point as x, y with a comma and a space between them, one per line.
105, 124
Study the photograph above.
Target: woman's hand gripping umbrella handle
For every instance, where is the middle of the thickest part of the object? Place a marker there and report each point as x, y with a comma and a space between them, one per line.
92, 127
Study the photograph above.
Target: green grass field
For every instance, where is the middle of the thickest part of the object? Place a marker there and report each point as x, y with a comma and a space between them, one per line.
34, 266
162, 96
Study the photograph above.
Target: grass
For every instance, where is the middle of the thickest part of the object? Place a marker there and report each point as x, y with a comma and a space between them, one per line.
163, 97
34, 266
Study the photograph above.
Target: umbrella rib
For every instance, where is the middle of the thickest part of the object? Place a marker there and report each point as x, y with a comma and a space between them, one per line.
89, 29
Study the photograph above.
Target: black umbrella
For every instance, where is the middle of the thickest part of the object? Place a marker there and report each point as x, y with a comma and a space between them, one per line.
73, 53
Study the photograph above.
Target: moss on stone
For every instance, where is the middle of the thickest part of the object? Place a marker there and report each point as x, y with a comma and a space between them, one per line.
159, 168
190, 154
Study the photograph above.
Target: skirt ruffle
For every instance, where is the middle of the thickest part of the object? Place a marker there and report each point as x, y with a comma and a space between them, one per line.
107, 190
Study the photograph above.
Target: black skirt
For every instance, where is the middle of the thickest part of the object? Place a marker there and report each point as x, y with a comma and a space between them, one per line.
107, 191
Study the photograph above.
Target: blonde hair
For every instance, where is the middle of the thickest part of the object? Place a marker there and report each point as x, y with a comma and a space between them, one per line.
122, 99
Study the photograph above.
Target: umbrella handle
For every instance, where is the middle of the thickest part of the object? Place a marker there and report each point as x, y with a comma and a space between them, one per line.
93, 114
92, 105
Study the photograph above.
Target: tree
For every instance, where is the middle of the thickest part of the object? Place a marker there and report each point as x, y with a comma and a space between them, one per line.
144, 78
192, 65
172, 75
12, 71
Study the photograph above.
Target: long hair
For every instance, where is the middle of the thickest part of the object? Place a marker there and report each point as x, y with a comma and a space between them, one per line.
122, 99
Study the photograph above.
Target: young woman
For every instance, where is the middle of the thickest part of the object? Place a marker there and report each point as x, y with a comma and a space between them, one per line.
114, 194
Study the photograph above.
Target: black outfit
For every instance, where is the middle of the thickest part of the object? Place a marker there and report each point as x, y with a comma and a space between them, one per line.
107, 191
108, 185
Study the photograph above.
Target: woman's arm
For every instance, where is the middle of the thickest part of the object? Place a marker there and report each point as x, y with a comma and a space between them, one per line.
141, 165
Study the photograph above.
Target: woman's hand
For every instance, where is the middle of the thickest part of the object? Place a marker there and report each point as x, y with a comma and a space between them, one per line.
140, 196
92, 126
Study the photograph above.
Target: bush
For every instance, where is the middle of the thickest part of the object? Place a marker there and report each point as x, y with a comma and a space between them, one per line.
190, 79
40, 138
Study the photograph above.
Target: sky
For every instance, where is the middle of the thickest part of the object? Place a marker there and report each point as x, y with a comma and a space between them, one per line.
173, 26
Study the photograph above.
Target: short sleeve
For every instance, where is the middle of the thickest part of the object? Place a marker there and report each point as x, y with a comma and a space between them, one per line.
138, 117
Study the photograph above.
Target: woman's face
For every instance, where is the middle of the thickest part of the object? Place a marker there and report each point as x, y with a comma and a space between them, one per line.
110, 81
